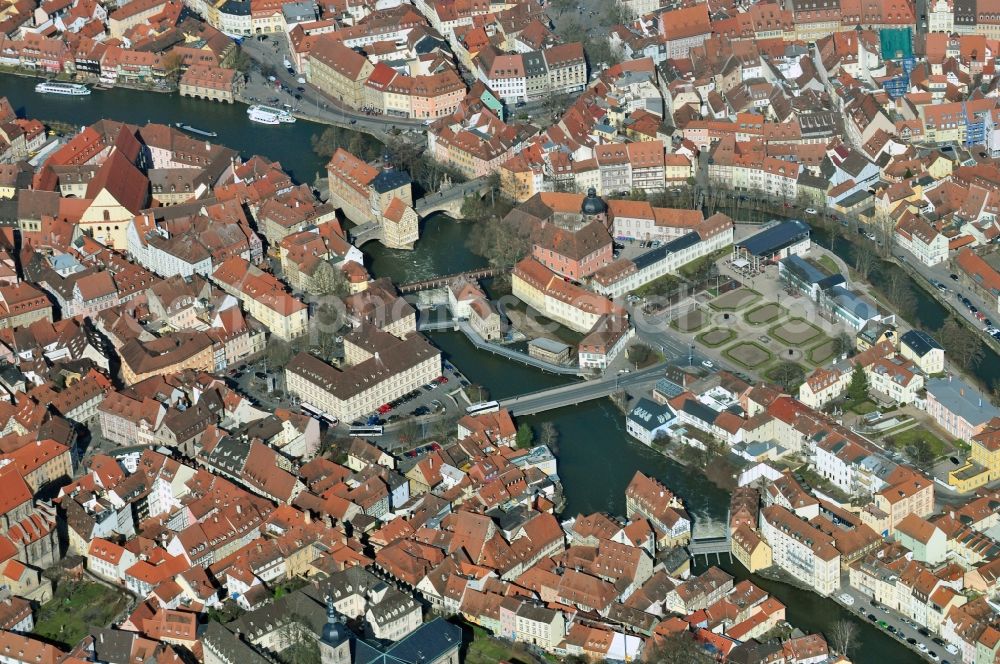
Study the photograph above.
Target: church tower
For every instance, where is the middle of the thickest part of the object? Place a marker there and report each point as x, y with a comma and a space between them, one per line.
335, 642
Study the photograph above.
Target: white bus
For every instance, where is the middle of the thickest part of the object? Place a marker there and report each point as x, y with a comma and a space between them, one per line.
366, 431
483, 407
312, 410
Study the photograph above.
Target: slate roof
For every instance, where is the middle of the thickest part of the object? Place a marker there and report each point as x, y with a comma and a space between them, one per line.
919, 342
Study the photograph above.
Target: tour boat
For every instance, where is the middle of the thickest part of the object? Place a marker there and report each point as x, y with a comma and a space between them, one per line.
280, 113
60, 88
257, 114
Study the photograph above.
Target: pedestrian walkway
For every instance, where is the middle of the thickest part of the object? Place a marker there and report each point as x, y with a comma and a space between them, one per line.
515, 355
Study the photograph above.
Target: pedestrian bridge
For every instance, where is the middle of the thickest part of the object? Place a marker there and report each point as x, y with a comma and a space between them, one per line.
444, 280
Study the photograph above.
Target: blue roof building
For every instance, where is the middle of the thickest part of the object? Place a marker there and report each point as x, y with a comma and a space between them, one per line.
434, 642
648, 419
850, 307
773, 243
806, 277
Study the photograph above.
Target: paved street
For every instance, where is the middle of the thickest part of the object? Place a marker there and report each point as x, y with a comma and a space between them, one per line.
864, 608
955, 289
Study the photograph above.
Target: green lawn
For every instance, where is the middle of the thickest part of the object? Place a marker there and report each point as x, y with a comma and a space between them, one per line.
828, 264
75, 608
486, 650
817, 481
664, 285
901, 440
862, 408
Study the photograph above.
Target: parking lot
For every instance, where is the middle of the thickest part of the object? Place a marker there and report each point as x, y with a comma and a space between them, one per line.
928, 645
427, 399
265, 386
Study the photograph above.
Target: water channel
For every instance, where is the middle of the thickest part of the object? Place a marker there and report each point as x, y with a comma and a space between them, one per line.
596, 457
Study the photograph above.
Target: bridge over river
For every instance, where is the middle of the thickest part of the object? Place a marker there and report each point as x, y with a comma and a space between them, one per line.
450, 200
444, 280
570, 395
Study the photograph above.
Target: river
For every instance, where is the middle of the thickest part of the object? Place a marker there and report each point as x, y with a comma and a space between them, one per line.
596, 457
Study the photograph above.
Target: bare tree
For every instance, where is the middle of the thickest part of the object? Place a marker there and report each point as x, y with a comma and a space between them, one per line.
328, 280
548, 435
677, 649
900, 293
864, 260
963, 344
885, 231
844, 636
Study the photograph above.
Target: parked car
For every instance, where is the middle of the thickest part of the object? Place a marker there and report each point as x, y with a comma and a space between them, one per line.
810, 211
953, 277
847, 599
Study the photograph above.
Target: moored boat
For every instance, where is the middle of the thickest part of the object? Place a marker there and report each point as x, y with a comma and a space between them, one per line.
262, 116
195, 130
61, 88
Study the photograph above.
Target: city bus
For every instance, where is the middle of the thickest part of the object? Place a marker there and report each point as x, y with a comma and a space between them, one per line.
483, 407
368, 431
313, 411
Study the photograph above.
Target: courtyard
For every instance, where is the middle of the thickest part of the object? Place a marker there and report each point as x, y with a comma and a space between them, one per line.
768, 331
